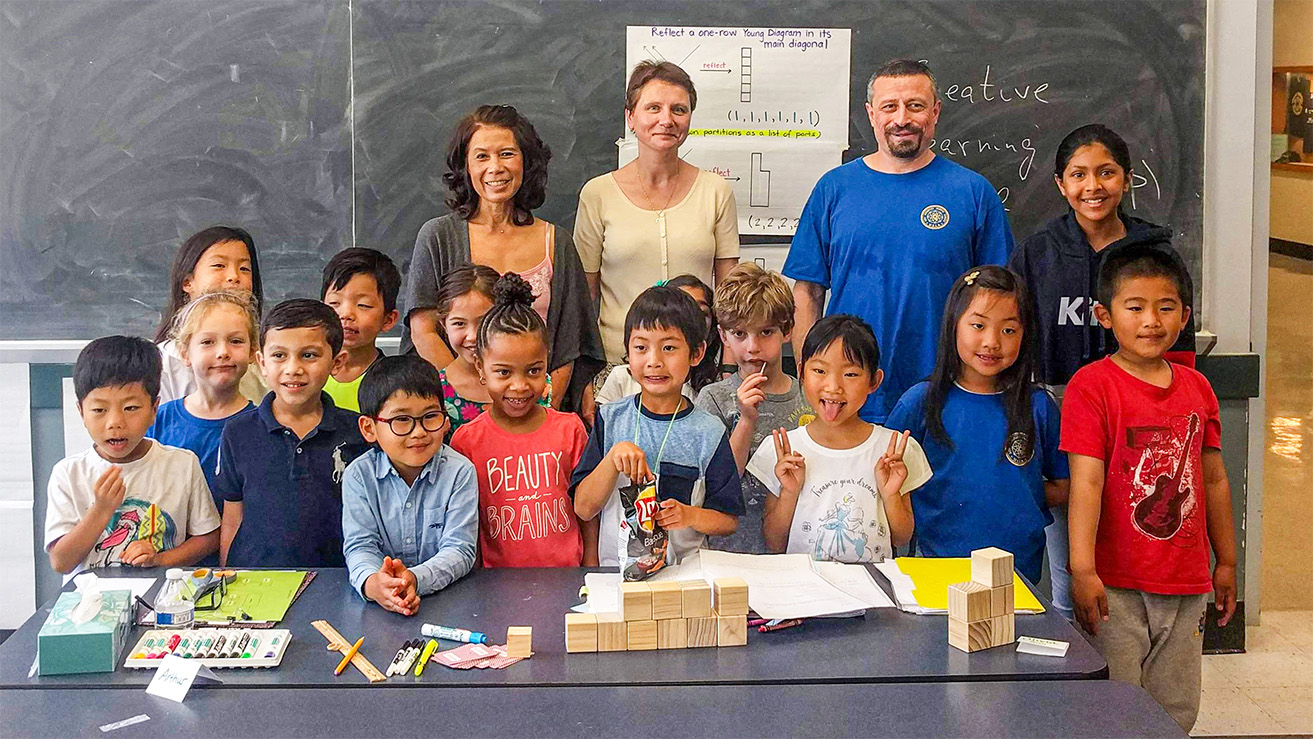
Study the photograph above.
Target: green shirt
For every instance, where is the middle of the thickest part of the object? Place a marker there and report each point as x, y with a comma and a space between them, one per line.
344, 393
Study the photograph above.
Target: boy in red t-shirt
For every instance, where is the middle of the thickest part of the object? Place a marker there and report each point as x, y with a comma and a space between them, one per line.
1148, 488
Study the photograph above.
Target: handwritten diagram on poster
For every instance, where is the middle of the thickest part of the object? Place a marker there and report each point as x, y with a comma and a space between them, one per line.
772, 113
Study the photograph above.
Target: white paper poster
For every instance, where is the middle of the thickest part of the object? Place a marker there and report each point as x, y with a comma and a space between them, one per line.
772, 110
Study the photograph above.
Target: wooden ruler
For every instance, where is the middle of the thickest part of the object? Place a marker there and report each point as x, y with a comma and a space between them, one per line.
336, 643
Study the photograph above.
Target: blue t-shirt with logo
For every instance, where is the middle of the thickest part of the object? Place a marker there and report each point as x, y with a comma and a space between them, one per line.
983, 495
888, 247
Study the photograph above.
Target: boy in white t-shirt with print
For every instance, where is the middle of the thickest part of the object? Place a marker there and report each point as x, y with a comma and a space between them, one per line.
839, 485
127, 500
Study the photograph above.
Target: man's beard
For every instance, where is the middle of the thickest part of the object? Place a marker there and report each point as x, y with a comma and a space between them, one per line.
905, 149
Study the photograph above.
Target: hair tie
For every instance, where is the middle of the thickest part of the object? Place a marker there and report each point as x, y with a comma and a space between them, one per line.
661, 283
970, 279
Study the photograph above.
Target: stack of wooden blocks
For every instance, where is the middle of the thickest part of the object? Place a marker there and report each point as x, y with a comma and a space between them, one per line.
982, 612
665, 615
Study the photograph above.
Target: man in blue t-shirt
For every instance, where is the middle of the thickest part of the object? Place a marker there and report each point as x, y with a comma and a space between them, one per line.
888, 233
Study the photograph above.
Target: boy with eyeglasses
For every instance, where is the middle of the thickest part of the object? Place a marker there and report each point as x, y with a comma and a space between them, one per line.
409, 499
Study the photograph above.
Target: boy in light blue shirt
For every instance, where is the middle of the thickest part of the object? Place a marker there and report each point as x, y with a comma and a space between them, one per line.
410, 499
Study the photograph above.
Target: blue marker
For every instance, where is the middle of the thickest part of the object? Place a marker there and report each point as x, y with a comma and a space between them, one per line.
450, 634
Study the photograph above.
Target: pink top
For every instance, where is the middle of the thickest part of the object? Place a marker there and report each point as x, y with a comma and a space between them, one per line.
540, 277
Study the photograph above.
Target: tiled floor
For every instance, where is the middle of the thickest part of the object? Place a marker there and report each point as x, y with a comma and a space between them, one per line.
1269, 689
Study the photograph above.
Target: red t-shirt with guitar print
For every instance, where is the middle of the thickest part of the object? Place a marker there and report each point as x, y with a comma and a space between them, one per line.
1153, 532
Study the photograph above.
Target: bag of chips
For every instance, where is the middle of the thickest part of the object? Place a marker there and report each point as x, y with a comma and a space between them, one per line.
643, 543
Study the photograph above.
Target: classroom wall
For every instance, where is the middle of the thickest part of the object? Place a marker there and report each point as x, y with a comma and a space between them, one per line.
1292, 192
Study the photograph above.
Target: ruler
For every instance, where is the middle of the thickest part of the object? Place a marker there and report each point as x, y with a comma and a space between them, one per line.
336, 643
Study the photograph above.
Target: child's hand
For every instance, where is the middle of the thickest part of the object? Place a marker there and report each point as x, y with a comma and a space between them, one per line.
790, 467
890, 472
109, 490
1090, 601
393, 588
1224, 592
629, 459
751, 395
140, 553
675, 515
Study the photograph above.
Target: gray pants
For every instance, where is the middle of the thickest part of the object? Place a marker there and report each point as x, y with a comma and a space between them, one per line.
1156, 642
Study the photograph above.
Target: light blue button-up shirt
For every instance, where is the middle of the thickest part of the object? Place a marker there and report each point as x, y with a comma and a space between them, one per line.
430, 526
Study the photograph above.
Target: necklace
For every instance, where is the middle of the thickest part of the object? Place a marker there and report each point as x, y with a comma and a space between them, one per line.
661, 212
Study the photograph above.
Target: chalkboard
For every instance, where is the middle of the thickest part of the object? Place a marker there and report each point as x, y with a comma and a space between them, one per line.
124, 126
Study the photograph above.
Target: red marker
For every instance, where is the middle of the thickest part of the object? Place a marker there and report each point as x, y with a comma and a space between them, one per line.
173, 643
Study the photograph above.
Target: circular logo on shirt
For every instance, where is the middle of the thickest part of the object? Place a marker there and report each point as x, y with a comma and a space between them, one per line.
1297, 103
934, 217
1019, 450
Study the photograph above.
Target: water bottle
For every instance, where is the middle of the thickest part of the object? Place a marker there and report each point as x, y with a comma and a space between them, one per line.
173, 609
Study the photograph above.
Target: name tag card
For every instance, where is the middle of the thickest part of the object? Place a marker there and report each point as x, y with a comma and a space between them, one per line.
175, 677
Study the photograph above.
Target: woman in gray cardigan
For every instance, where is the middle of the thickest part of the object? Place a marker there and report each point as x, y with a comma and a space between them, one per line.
496, 175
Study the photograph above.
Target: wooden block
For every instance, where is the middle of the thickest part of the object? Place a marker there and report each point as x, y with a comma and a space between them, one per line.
731, 596
642, 635
968, 601
969, 636
667, 600
611, 633
1002, 630
1002, 600
991, 567
702, 631
672, 633
635, 601
697, 598
580, 632
519, 641
731, 631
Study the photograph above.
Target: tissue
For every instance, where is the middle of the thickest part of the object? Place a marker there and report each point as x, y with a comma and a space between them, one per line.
90, 598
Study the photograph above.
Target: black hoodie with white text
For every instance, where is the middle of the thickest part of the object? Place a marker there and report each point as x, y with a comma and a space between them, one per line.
1061, 270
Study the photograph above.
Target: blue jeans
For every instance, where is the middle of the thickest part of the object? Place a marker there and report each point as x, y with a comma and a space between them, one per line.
1058, 551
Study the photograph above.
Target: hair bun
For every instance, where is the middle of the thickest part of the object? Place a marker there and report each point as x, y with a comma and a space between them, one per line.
511, 289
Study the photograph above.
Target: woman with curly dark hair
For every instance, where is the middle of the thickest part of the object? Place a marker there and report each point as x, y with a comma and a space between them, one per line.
496, 176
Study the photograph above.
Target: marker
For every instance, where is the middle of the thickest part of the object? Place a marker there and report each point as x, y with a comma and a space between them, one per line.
186, 647
409, 660
145, 647
450, 634
396, 661
218, 647
236, 646
349, 654
173, 643
424, 656
255, 642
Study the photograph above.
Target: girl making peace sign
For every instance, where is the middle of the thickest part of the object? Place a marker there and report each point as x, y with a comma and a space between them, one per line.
839, 484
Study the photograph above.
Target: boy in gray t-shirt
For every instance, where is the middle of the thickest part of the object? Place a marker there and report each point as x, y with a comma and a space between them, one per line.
754, 309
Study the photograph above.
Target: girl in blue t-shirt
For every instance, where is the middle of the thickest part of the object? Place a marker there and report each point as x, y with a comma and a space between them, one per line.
991, 435
216, 335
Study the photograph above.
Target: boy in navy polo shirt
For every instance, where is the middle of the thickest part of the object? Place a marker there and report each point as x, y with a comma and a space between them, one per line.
280, 467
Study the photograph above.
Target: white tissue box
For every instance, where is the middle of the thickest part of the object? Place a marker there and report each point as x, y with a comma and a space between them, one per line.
63, 647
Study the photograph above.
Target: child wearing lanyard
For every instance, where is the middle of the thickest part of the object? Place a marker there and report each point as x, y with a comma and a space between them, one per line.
658, 435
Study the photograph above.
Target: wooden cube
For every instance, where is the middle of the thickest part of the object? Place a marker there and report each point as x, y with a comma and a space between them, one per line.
731, 631
697, 598
969, 636
731, 596
672, 633
635, 601
580, 632
642, 635
519, 641
1002, 600
991, 567
1002, 630
702, 632
667, 600
968, 601
611, 633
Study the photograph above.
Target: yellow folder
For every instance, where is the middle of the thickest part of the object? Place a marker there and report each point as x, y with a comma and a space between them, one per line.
933, 575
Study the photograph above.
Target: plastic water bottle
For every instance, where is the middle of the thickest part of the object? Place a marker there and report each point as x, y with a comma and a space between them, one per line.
173, 609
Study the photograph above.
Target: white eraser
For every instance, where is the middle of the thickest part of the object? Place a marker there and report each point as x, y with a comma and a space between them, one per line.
1042, 647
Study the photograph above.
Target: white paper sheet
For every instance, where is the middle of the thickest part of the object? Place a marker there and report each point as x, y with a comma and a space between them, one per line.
761, 122
854, 580
785, 585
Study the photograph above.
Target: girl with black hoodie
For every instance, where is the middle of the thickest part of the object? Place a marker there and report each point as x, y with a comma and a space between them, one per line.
1060, 265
